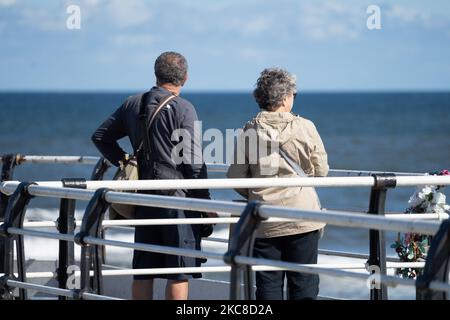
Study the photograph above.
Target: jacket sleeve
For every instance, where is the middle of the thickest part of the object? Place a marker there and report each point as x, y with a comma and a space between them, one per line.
193, 165
319, 157
240, 167
106, 136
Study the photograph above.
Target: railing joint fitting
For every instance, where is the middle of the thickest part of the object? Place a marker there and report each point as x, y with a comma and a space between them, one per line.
384, 181
77, 183
78, 293
6, 291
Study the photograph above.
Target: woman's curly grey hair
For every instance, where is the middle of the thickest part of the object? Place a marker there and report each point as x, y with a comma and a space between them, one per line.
272, 87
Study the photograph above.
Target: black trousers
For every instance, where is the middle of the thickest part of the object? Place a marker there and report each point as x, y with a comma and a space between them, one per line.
299, 248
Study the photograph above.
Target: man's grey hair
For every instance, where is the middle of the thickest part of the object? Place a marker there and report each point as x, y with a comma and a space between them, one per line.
171, 67
272, 87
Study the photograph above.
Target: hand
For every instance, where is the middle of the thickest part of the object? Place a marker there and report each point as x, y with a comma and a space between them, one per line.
211, 214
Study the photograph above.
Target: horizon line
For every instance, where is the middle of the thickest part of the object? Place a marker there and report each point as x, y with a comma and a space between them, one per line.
209, 91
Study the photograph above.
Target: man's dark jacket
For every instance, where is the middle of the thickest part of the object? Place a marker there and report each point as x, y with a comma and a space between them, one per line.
178, 114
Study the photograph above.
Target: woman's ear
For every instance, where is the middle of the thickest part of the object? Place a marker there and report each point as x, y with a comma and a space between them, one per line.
288, 103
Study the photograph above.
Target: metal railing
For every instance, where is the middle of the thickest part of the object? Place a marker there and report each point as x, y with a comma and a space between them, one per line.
338, 218
213, 167
90, 240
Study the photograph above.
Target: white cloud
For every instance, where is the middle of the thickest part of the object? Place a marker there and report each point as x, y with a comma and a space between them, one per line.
133, 40
7, 3
93, 3
252, 26
117, 14
40, 18
129, 13
252, 54
407, 14
332, 20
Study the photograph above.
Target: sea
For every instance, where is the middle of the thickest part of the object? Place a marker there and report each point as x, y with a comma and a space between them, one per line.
375, 131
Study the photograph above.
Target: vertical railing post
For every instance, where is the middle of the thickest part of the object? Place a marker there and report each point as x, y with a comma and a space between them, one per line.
90, 254
66, 225
377, 246
14, 218
241, 243
9, 163
98, 174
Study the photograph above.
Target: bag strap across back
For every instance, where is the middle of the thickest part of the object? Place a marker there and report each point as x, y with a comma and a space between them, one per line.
294, 165
298, 170
143, 116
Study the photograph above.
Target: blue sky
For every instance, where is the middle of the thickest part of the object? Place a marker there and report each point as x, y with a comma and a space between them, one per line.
227, 43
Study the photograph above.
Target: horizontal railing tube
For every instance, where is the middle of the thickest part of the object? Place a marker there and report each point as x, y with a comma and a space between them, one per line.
57, 291
52, 192
155, 248
218, 269
42, 234
145, 222
45, 289
352, 255
212, 167
343, 219
388, 280
402, 181
93, 296
85, 160
332, 217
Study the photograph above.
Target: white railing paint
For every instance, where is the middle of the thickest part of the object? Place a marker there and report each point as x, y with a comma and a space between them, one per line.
338, 218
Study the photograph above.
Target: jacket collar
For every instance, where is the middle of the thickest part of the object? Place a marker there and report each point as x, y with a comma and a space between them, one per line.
160, 91
275, 116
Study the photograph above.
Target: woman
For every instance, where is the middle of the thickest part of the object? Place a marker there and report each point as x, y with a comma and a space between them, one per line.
293, 145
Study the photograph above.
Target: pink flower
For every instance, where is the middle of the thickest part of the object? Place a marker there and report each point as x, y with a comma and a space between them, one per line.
407, 238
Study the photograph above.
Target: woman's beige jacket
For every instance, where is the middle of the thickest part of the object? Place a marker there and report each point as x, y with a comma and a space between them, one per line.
257, 156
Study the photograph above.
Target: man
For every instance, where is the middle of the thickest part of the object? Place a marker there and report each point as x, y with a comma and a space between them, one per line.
179, 114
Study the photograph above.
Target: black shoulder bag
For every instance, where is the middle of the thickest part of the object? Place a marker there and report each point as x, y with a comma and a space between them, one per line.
148, 167
151, 169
